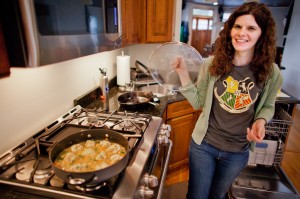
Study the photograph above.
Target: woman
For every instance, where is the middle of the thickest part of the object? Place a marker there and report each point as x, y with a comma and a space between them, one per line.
237, 89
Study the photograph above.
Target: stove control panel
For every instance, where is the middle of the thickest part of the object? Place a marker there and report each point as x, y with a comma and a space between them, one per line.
151, 183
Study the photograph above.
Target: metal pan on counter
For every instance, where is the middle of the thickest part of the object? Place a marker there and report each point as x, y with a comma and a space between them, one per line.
136, 99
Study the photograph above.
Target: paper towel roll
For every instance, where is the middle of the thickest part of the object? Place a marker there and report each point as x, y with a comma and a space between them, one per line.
123, 70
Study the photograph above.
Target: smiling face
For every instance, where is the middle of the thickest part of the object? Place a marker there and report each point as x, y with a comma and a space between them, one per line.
245, 33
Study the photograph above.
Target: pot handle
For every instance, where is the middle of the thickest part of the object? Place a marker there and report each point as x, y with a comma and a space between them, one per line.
144, 69
79, 181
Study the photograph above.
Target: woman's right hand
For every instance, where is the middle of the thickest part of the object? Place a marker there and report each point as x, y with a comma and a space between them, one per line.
179, 66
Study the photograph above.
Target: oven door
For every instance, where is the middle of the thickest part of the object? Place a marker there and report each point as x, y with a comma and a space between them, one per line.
159, 162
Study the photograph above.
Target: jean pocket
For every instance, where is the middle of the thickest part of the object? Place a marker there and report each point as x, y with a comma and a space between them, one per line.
194, 146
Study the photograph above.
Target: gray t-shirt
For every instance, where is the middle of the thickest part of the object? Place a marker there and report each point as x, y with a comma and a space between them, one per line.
235, 95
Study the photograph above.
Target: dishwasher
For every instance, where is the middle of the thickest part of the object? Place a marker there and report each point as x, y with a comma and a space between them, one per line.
263, 177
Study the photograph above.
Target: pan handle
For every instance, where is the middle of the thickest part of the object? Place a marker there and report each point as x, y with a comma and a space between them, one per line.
79, 181
140, 66
132, 135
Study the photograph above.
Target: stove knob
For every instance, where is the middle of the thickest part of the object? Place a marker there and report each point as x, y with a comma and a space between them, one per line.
164, 132
162, 139
150, 180
166, 127
145, 192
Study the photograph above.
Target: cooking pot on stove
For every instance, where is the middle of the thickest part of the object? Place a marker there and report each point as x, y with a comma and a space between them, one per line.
91, 177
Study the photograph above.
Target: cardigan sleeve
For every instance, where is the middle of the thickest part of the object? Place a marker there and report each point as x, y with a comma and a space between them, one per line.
196, 95
266, 106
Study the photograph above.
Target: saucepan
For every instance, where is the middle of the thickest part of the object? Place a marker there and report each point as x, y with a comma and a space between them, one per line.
136, 99
95, 176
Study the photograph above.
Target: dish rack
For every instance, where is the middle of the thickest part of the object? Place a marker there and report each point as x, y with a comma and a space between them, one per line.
270, 150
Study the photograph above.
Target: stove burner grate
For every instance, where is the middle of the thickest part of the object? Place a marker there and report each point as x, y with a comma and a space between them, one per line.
30, 166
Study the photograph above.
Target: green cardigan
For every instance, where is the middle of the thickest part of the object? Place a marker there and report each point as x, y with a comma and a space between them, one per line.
201, 96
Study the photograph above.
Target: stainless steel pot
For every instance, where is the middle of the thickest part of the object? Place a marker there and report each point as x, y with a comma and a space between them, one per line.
92, 177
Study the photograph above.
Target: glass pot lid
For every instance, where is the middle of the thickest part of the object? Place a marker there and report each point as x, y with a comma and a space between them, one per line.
160, 64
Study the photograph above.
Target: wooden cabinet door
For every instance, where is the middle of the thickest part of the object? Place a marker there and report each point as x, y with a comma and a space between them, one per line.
179, 109
146, 21
159, 20
182, 118
182, 128
133, 21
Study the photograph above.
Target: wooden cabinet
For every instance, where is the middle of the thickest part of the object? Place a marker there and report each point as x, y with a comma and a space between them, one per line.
182, 118
133, 21
159, 20
147, 21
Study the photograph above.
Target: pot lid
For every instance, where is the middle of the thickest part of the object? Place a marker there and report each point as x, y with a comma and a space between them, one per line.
161, 58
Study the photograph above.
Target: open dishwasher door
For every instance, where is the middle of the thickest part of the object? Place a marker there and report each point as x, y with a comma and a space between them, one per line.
261, 182
263, 178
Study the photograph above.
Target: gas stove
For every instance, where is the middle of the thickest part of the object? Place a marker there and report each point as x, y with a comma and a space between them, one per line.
26, 170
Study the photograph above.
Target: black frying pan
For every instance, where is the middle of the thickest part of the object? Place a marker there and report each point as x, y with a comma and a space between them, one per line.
135, 99
92, 177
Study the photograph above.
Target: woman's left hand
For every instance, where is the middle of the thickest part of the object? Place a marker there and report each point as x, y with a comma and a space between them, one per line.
257, 132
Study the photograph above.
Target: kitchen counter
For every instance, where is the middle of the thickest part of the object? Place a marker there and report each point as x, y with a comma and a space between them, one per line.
92, 100
287, 101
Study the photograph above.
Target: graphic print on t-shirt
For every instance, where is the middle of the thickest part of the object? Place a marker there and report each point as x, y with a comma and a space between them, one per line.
236, 97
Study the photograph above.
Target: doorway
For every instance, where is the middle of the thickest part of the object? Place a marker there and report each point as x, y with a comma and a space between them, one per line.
202, 21
201, 35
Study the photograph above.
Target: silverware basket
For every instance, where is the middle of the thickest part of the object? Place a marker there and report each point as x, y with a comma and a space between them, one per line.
270, 150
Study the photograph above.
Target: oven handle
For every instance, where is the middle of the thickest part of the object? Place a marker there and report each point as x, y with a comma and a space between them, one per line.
160, 190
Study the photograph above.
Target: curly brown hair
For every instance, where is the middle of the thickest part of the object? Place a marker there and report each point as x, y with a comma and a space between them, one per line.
265, 48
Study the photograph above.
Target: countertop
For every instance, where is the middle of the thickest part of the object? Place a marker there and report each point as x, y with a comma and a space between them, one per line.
92, 100
285, 97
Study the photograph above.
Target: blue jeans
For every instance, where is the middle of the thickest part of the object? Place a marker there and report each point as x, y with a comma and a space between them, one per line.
212, 171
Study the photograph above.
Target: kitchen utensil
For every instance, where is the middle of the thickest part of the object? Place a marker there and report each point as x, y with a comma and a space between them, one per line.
160, 63
83, 178
136, 99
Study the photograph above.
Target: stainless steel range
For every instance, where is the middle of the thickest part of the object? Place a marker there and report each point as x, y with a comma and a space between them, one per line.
26, 170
